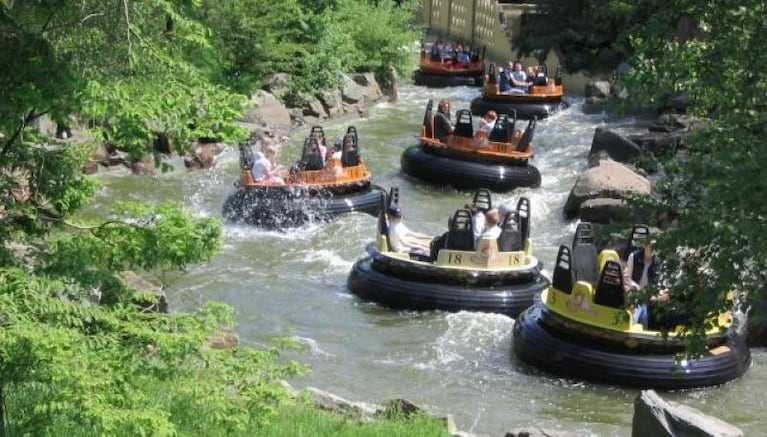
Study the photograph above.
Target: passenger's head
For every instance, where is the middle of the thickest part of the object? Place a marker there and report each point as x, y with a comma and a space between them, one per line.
517, 66
444, 106
270, 151
492, 217
491, 115
649, 246
530, 71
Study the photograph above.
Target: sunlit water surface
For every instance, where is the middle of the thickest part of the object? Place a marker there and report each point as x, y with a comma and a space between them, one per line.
294, 283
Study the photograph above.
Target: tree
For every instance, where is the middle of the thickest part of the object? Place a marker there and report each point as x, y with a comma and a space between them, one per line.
77, 354
714, 189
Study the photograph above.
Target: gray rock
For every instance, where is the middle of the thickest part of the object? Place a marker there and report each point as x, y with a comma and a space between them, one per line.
611, 180
653, 416
598, 88
617, 146
602, 210
266, 110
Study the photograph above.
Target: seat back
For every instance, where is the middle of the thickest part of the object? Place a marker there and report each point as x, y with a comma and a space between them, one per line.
247, 159
585, 255
392, 200
527, 137
510, 239
609, 290
460, 235
350, 152
463, 124
482, 200
503, 130
562, 278
542, 77
383, 221
428, 115
492, 74
523, 210
311, 158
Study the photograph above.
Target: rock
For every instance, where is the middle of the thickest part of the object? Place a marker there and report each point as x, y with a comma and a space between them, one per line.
659, 143
598, 88
617, 146
315, 108
339, 405
204, 155
266, 110
351, 91
603, 210
149, 297
610, 179
143, 167
370, 85
277, 84
655, 417
332, 101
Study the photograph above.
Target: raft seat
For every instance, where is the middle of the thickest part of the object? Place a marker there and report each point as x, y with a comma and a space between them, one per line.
460, 236
562, 277
609, 291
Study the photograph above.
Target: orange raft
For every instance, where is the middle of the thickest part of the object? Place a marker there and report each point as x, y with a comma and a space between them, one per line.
311, 190
544, 96
438, 68
500, 164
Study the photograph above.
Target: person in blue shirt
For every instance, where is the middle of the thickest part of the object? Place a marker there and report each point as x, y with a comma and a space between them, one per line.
518, 79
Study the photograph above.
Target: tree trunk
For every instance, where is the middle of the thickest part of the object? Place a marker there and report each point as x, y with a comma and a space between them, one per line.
3, 415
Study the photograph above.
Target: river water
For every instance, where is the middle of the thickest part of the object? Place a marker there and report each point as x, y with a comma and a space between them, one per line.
294, 284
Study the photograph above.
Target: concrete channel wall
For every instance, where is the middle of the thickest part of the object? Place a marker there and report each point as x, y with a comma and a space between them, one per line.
490, 24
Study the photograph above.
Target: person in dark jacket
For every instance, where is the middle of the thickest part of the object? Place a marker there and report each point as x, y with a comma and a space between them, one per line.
442, 125
642, 268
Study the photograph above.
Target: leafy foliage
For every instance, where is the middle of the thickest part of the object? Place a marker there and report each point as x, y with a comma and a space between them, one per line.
712, 190
66, 366
588, 34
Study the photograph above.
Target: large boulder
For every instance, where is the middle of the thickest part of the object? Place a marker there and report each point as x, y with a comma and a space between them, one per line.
608, 180
653, 416
617, 146
351, 91
266, 110
598, 88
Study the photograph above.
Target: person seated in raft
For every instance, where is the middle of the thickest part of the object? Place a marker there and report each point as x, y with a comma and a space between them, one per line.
518, 79
442, 125
477, 221
401, 238
264, 169
492, 225
323, 147
486, 124
531, 72
462, 57
642, 268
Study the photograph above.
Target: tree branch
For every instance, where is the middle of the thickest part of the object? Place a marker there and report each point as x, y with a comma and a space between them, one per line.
31, 116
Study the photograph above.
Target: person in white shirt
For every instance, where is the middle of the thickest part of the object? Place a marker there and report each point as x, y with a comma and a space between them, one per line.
402, 239
486, 125
492, 225
263, 169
